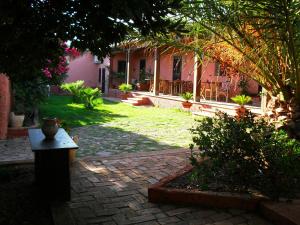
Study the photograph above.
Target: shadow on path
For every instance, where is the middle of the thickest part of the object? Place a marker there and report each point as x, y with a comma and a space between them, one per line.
103, 140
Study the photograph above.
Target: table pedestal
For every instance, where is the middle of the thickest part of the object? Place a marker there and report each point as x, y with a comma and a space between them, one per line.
52, 174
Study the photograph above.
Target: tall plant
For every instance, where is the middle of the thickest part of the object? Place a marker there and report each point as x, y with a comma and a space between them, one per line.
262, 40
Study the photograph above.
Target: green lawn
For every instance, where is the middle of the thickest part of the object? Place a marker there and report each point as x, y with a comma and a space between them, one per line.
121, 127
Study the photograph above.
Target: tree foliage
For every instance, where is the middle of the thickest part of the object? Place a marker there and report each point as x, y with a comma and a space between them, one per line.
32, 31
265, 36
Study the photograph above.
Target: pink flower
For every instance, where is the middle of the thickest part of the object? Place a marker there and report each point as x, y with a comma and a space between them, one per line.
72, 52
46, 72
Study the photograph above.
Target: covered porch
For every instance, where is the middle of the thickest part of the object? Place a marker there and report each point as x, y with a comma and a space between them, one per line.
202, 107
157, 72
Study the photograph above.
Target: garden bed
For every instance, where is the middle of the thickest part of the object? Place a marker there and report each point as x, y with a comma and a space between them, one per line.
168, 190
163, 192
20, 202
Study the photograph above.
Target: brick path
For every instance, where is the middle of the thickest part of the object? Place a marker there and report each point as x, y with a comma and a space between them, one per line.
113, 191
17, 149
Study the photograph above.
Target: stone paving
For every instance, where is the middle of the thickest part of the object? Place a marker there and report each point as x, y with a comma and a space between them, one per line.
99, 140
113, 191
105, 140
17, 149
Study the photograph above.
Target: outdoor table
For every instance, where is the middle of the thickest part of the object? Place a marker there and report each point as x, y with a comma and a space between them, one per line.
51, 162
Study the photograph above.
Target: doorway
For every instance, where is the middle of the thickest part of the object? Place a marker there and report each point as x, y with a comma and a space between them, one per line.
102, 79
177, 64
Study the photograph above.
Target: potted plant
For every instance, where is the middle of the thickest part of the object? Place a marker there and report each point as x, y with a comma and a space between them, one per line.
16, 120
18, 110
187, 96
241, 100
125, 89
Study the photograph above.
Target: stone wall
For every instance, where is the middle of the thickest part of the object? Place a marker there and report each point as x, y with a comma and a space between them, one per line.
5, 103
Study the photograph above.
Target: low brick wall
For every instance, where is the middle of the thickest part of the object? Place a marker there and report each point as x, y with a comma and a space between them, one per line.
17, 132
5, 103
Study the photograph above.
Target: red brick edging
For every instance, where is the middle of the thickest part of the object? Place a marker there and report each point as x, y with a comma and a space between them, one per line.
281, 213
159, 193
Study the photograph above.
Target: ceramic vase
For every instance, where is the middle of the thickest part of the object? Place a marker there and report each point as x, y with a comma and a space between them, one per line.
50, 128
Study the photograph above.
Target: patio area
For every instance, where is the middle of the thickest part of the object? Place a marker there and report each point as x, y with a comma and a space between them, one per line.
113, 191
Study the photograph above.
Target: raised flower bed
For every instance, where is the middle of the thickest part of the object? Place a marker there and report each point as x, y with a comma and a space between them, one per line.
161, 192
247, 165
279, 213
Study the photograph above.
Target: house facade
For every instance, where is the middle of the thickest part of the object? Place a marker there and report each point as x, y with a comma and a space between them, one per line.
90, 69
171, 72
160, 71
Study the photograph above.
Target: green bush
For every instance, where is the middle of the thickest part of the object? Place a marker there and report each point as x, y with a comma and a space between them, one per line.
245, 154
90, 97
74, 89
187, 96
125, 87
241, 99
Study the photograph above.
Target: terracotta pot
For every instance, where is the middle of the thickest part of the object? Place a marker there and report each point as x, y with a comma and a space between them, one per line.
241, 111
124, 96
187, 104
50, 128
16, 120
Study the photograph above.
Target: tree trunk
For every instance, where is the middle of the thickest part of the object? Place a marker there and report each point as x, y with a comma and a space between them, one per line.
284, 115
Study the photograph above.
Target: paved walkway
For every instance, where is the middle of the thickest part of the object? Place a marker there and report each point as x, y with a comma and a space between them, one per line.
106, 140
17, 149
113, 191
99, 140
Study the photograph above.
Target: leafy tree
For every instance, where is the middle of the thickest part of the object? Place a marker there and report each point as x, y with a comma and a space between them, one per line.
32, 31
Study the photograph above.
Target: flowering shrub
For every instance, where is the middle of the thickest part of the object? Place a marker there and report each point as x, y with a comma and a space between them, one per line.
59, 67
56, 69
72, 52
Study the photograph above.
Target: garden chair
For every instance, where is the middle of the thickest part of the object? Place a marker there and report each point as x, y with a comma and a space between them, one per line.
176, 87
223, 90
211, 90
164, 86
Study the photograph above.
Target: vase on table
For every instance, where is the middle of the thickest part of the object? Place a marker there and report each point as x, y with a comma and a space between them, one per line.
50, 128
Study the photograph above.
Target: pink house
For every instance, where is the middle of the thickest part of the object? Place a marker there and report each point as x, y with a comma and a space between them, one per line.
88, 68
171, 72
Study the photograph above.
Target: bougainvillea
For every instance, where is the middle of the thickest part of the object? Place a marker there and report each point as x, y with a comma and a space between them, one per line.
72, 52
59, 66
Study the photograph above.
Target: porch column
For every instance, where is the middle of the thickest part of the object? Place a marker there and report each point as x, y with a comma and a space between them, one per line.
263, 104
156, 72
197, 78
128, 66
